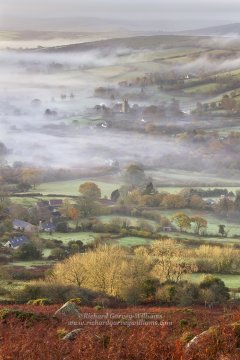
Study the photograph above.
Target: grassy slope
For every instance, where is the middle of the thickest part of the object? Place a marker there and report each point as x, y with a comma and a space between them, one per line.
71, 187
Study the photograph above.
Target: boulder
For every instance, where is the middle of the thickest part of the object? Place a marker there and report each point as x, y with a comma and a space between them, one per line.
72, 335
196, 339
68, 309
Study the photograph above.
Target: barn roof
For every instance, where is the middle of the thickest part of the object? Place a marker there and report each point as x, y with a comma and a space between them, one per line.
17, 240
21, 223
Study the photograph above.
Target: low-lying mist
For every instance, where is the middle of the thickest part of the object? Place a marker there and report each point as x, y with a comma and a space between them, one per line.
32, 82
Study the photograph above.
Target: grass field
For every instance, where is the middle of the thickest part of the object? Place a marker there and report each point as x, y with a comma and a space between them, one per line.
25, 201
32, 263
231, 281
185, 178
71, 187
85, 237
132, 241
201, 89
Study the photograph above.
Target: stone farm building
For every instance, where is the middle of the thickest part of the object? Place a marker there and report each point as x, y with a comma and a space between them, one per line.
23, 226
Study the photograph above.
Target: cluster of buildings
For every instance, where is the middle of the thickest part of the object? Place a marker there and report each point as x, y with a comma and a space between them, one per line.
26, 228
120, 107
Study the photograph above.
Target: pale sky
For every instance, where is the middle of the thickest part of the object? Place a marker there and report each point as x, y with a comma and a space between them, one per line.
148, 14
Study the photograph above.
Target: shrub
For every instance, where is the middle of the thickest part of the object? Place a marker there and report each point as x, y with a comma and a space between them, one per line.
39, 302
29, 292
76, 301
183, 322
28, 251
186, 337
55, 293
214, 288
61, 332
19, 314
182, 293
3, 291
18, 273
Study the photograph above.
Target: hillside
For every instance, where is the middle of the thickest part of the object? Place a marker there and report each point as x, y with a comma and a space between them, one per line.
135, 43
223, 30
32, 333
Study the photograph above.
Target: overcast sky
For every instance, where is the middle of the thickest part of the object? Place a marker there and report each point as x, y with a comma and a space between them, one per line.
145, 14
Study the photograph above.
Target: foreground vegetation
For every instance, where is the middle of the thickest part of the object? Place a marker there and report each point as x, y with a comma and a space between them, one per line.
27, 329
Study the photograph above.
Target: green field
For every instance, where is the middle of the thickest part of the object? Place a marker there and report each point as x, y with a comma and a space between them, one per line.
71, 187
231, 281
25, 201
132, 241
178, 178
32, 263
85, 237
201, 89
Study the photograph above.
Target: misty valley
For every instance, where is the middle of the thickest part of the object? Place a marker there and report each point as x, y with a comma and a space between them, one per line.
120, 191
69, 100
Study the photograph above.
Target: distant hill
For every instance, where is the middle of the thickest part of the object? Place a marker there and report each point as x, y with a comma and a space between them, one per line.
136, 42
223, 30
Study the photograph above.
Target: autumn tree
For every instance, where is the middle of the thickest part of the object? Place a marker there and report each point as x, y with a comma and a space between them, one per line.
200, 224
196, 202
74, 214
182, 221
99, 270
133, 197
108, 269
173, 201
70, 271
90, 191
69, 210
171, 260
